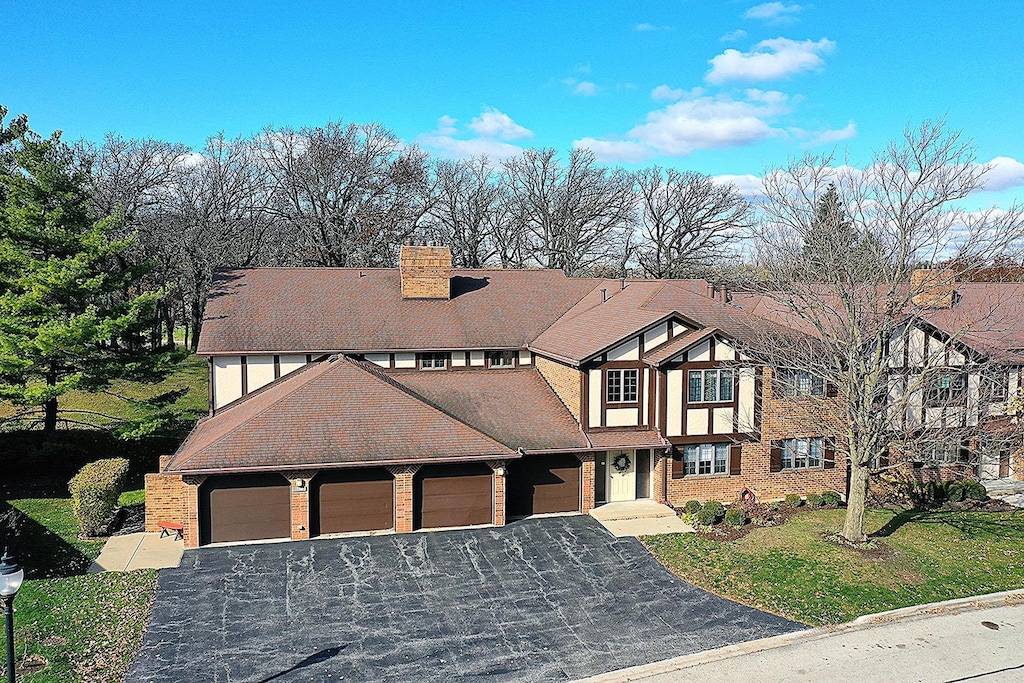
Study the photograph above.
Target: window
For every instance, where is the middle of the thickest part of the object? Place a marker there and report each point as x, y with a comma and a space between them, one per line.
998, 385
621, 386
709, 386
501, 359
433, 361
801, 454
945, 453
944, 389
705, 458
792, 382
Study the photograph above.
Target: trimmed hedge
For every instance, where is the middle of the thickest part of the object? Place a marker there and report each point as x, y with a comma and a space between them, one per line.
692, 507
814, 500
94, 492
794, 500
831, 498
975, 490
710, 513
736, 516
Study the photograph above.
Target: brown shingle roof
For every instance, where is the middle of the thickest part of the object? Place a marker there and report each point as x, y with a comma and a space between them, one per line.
677, 345
514, 406
625, 439
358, 310
332, 413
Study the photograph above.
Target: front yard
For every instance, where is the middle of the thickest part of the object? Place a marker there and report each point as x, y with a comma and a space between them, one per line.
793, 570
69, 625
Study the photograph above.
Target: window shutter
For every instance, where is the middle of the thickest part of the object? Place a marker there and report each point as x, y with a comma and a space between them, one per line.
735, 454
828, 459
775, 463
883, 459
677, 465
831, 390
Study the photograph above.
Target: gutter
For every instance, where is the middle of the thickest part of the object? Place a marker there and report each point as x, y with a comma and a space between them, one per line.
339, 465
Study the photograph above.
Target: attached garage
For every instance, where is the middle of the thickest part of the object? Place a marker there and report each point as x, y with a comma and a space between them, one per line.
244, 508
539, 484
352, 500
453, 495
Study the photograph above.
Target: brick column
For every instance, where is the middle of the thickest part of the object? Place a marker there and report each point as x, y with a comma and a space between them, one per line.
299, 496
403, 496
499, 491
587, 477
660, 468
191, 532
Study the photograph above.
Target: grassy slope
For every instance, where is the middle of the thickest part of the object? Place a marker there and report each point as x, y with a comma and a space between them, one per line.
793, 571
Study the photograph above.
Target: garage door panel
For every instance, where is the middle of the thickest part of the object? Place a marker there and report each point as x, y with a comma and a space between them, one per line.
233, 511
347, 506
454, 496
543, 484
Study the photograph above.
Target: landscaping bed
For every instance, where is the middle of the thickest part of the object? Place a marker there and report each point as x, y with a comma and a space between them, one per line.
797, 570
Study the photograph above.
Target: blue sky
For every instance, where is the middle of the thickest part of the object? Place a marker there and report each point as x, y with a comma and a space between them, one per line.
725, 87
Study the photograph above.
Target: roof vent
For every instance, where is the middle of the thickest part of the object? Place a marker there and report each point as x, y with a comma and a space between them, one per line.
426, 272
604, 295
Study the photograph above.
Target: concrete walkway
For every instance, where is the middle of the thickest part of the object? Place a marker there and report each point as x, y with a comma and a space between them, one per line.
1010, 491
639, 518
976, 639
138, 551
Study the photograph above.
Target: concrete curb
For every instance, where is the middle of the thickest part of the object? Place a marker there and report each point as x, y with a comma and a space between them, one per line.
634, 673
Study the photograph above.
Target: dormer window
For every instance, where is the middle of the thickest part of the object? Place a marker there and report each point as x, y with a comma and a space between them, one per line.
621, 386
501, 359
433, 361
709, 386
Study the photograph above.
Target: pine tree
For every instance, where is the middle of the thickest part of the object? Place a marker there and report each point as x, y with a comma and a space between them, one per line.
832, 245
72, 313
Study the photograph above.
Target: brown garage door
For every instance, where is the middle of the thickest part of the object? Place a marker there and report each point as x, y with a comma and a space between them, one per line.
453, 495
539, 484
244, 508
353, 500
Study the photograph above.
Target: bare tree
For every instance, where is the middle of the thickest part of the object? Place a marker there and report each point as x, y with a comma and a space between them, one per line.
350, 193
577, 213
896, 345
466, 211
687, 221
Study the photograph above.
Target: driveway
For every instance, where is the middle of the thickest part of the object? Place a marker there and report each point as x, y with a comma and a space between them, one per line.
543, 599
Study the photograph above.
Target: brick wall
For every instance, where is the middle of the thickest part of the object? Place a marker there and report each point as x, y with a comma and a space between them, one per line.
403, 497
780, 418
587, 476
564, 381
165, 500
192, 484
426, 272
299, 502
499, 491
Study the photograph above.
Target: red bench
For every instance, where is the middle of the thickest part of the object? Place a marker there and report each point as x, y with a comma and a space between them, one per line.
167, 527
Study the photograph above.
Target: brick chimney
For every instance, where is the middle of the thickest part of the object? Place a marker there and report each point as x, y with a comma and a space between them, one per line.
426, 272
933, 287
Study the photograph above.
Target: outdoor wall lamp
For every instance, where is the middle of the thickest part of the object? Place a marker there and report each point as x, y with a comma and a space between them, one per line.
11, 576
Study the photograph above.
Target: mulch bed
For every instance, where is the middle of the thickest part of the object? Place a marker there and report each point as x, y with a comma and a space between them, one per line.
778, 517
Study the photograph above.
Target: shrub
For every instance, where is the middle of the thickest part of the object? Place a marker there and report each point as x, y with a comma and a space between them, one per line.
814, 500
935, 492
956, 491
831, 498
710, 513
793, 500
94, 492
975, 490
692, 507
736, 516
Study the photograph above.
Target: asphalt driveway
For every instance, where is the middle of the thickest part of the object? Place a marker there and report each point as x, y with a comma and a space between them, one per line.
543, 599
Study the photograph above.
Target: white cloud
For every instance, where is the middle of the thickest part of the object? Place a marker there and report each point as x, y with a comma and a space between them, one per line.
664, 93
748, 185
733, 36
496, 124
651, 27
773, 12
1003, 174
770, 59
697, 122
492, 129
585, 89
827, 137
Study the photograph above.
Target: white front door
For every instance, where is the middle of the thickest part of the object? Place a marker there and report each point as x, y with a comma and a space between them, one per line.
621, 476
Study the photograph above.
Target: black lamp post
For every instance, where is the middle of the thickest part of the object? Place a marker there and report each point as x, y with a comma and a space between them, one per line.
11, 576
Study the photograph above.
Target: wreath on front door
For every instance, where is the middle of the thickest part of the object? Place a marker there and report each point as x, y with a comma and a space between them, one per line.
621, 462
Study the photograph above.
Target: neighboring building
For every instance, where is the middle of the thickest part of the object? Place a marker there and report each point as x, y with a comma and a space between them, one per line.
357, 400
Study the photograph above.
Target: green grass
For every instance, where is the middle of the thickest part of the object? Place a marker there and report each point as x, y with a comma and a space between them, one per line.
792, 570
87, 627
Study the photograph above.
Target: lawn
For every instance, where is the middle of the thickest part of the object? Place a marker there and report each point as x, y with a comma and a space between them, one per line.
794, 571
84, 627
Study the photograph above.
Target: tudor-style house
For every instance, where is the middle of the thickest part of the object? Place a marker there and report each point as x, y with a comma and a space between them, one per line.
363, 400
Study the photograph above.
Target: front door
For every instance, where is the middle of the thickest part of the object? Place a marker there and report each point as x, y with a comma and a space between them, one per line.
621, 470
1004, 463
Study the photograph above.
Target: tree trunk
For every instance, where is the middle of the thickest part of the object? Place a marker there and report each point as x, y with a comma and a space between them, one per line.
853, 525
49, 418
